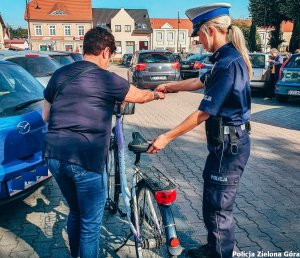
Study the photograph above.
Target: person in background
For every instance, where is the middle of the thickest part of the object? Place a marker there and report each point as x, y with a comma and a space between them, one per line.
78, 106
276, 63
225, 109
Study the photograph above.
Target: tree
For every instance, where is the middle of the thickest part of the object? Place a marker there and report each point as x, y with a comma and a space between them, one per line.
252, 38
18, 33
268, 14
290, 8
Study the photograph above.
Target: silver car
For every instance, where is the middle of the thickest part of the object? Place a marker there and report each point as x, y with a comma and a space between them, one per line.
39, 65
261, 70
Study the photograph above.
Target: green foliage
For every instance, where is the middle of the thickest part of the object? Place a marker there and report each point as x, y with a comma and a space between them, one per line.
252, 38
18, 33
295, 39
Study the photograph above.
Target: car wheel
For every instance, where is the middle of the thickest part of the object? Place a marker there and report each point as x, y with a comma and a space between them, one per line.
282, 98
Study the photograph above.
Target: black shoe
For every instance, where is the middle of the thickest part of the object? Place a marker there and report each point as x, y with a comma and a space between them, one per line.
200, 252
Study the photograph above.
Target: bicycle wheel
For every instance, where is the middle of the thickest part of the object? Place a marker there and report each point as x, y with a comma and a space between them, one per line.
113, 178
150, 223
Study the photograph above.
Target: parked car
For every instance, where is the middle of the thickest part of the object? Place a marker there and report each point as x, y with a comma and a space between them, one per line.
289, 79
128, 60
61, 58
39, 65
124, 58
193, 64
150, 68
261, 70
75, 55
22, 131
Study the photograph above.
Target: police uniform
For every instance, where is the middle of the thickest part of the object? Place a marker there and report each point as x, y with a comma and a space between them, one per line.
227, 99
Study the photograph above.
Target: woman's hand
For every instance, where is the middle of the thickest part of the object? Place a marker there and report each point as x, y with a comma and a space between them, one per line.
164, 89
159, 143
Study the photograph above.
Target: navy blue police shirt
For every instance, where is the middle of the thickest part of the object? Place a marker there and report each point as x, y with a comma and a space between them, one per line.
227, 87
80, 118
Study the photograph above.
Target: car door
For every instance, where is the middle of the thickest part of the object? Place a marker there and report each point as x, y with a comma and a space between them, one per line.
130, 71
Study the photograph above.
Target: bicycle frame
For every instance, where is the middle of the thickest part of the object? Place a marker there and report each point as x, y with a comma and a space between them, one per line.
129, 195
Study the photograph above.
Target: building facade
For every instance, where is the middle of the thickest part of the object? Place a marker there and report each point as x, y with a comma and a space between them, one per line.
58, 25
4, 33
171, 34
130, 27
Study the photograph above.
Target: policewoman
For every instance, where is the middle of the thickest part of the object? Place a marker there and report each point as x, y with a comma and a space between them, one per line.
225, 108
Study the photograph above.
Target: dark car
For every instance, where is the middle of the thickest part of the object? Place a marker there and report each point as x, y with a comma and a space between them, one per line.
61, 58
22, 132
124, 58
76, 56
289, 79
150, 68
128, 60
193, 64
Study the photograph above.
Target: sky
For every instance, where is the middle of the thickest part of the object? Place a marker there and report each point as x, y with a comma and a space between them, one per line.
12, 11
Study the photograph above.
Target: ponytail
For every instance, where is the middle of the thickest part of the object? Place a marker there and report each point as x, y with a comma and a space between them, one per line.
236, 37
233, 34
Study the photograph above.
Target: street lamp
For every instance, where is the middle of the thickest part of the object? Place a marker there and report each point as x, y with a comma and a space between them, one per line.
178, 21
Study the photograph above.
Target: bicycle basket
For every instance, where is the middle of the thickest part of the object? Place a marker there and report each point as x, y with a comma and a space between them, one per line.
156, 180
126, 109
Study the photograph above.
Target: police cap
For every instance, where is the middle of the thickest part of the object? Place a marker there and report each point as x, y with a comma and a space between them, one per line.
204, 13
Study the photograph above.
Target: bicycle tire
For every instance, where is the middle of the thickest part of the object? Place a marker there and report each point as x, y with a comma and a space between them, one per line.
113, 177
148, 230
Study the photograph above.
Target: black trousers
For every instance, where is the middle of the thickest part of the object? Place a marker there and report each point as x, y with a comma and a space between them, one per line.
222, 174
271, 86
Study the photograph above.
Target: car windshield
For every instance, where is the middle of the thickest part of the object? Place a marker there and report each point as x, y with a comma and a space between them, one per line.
258, 61
198, 58
77, 56
63, 59
17, 86
156, 58
36, 66
294, 62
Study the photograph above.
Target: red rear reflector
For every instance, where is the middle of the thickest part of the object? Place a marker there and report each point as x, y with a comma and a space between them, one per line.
165, 197
140, 66
175, 66
31, 55
174, 242
198, 65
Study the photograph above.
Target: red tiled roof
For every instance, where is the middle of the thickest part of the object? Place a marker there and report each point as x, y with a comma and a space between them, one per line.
75, 10
287, 26
157, 23
243, 22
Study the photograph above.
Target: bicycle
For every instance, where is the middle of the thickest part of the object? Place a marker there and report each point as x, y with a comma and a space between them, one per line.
147, 202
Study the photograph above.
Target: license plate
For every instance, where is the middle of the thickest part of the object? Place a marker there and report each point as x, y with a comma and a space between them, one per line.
294, 92
158, 78
185, 66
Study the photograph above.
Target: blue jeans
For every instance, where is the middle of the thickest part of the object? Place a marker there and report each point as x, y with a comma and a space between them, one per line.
85, 193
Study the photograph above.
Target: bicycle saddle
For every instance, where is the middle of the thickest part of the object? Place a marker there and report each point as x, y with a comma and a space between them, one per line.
138, 144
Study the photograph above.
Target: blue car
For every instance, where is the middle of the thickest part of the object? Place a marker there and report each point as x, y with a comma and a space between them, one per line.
289, 79
22, 131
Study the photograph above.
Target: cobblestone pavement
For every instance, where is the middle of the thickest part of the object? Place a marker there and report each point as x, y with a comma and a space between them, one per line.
267, 210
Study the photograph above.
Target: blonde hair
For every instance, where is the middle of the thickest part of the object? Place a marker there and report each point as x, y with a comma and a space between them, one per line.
233, 35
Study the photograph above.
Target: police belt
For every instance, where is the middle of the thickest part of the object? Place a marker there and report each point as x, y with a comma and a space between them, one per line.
227, 131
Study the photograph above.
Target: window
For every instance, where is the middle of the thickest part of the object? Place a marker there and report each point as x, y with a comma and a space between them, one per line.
159, 36
117, 28
52, 30
38, 30
127, 28
181, 36
58, 12
80, 30
119, 47
142, 26
170, 36
43, 47
67, 30
69, 48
